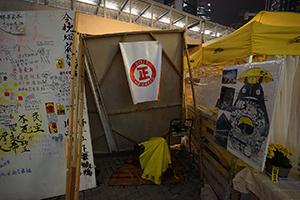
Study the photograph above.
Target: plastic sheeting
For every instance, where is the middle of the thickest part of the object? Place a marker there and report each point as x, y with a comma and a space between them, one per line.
285, 128
207, 84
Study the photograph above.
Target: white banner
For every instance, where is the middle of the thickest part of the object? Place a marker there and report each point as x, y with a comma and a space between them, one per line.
35, 70
142, 61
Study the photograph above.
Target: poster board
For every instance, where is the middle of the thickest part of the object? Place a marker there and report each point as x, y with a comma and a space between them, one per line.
142, 121
35, 59
246, 108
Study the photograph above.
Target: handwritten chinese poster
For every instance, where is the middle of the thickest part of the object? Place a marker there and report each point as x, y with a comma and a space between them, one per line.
34, 105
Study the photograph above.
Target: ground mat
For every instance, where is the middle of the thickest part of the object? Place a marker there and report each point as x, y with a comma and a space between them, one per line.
128, 174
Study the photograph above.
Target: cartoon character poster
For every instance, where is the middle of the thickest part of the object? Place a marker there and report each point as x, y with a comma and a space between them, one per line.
246, 107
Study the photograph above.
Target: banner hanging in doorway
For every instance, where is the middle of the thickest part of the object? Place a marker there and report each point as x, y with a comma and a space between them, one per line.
142, 61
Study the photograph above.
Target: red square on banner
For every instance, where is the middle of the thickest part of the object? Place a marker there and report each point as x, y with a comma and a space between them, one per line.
20, 98
6, 94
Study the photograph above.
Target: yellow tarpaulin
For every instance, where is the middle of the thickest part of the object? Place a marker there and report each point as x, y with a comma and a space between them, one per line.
155, 159
268, 33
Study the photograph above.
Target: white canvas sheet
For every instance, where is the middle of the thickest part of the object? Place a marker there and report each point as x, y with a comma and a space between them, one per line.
246, 108
34, 106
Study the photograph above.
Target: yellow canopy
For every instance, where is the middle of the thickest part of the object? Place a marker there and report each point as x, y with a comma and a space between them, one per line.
268, 33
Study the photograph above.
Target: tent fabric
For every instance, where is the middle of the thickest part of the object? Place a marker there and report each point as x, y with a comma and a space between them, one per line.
285, 128
155, 159
268, 33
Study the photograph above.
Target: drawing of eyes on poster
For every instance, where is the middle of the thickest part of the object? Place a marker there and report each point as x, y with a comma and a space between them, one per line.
35, 62
246, 106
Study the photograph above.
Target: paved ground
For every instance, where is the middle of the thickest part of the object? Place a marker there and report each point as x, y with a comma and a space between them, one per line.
107, 164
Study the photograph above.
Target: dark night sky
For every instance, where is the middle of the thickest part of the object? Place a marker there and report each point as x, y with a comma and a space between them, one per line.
226, 12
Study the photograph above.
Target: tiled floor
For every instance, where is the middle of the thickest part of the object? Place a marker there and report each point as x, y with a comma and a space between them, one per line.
108, 163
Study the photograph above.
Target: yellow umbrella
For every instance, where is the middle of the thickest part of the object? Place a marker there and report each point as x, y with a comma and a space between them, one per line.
255, 75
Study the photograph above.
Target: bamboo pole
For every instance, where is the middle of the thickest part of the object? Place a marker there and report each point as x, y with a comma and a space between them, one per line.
79, 136
75, 149
194, 101
71, 113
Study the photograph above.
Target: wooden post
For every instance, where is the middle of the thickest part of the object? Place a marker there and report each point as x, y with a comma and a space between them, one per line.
75, 148
80, 127
231, 173
71, 113
194, 100
152, 15
104, 8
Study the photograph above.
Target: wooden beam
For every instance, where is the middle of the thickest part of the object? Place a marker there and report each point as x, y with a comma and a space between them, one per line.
142, 109
231, 173
80, 128
125, 136
167, 57
71, 112
98, 137
75, 140
111, 63
216, 164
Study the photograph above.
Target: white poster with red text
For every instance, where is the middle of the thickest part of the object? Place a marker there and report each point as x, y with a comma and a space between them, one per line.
142, 61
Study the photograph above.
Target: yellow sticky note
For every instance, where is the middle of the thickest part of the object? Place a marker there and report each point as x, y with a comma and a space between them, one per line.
5, 85
16, 101
14, 84
16, 93
2, 98
23, 93
1, 90
60, 63
7, 101
11, 89
1, 102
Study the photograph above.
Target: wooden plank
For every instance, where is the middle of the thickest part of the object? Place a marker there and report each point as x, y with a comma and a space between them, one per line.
217, 190
71, 113
208, 124
216, 174
125, 136
133, 33
80, 127
142, 109
218, 154
208, 136
217, 164
75, 140
231, 173
210, 117
217, 187
94, 139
